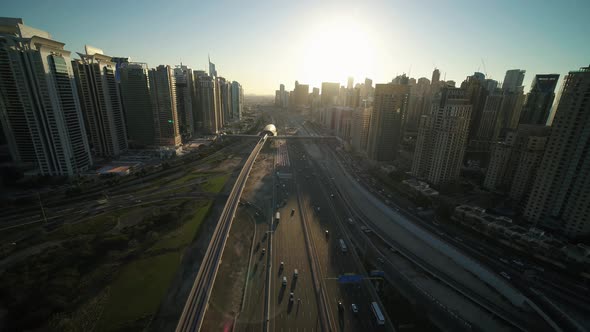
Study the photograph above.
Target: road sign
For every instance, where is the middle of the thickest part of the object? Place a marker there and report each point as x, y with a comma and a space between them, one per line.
377, 273
350, 278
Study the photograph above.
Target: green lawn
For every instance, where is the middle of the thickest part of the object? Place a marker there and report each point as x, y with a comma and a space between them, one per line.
216, 183
100, 224
186, 233
186, 178
138, 290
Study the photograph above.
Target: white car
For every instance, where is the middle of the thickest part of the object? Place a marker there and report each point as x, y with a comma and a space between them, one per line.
355, 308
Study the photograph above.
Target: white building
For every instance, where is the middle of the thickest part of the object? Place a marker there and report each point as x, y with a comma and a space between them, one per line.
39, 108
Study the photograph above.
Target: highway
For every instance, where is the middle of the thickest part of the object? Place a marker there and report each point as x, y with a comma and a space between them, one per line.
196, 304
333, 262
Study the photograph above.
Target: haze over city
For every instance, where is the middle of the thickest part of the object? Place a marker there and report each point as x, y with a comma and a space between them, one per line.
294, 166
265, 43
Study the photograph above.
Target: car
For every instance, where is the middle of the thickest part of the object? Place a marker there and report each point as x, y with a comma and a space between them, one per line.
284, 281
291, 297
517, 262
282, 266
350, 221
332, 195
340, 306
263, 251
292, 211
318, 209
295, 274
355, 308
327, 233
505, 275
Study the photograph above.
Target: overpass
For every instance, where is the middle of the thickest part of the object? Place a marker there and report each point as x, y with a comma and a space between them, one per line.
195, 307
299, 137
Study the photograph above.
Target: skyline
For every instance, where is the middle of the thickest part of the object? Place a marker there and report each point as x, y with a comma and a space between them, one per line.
276, 44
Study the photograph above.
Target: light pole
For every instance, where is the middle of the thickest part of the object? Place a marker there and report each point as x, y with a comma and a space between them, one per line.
42, 208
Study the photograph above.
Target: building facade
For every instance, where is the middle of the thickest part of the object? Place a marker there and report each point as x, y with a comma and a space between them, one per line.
237, 100
560, 197
361, 119
163, 95
139, 110
389, 111
183, 78
39, 105
442, 136
330, 93
539, 100
210, 108
513, 79
515, 160
100, 102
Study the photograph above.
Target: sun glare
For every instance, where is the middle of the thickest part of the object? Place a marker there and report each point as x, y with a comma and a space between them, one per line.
336, 50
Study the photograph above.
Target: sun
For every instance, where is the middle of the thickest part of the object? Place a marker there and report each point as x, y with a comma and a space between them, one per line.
336, 49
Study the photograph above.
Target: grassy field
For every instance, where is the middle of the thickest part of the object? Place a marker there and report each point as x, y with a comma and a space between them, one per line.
216, 183
97, 225
186, 233
138, 290
188, 177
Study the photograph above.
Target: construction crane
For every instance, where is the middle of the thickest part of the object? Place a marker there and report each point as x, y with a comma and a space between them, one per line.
485, 71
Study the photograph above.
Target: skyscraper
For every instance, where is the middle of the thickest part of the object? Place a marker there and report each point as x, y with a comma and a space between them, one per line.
163, 95
210, 107
539, 100
389, 111
183, 77
330, 92
139, 110
237, 100
100, 102
361, 119
513, 79
487, 123
419, 96
515, 160
212, 70
39, 106
350, 83
509, 112
559, 197
225, 100
301, 95
435, 77
197, 103
442, 137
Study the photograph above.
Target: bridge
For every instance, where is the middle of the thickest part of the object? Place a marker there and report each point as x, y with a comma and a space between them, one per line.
284, 137
195, 307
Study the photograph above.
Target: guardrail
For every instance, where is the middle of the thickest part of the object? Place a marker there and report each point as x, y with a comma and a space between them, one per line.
195, 307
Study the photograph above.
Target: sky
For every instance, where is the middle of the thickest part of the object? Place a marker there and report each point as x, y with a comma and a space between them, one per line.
262, 44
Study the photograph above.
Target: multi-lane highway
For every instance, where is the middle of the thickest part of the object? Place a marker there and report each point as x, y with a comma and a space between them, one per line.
317, 199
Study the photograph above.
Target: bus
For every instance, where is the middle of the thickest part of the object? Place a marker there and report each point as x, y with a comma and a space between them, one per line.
378, 314
343, 246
